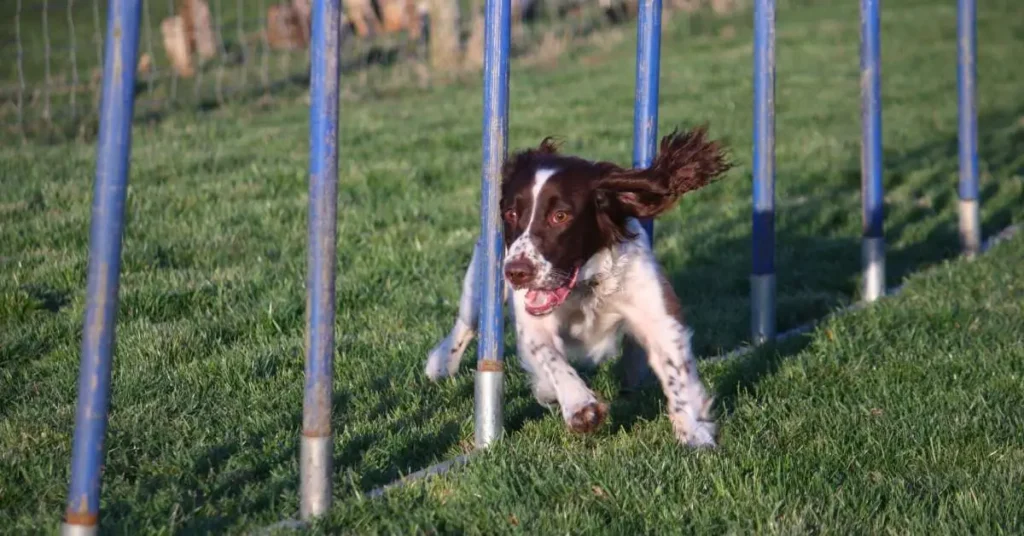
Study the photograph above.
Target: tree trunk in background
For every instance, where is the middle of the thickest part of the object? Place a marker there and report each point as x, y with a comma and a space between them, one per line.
444, 34
475, 45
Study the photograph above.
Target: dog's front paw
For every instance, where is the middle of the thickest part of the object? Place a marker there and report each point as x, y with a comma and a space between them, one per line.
439, 362
443, 360
587, 418
704, 436
695, 433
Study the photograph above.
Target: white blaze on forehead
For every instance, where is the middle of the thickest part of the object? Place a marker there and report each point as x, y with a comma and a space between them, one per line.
539, 179
523, 247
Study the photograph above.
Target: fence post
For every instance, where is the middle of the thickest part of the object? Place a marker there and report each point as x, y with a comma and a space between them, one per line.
490, 374
762, 279
966, 39
872, 190
316, 447
103, 281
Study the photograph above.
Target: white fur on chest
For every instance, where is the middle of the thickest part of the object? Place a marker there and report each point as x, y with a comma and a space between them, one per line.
590, 322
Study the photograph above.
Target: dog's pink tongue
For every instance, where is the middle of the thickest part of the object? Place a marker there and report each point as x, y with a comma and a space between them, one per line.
543, 299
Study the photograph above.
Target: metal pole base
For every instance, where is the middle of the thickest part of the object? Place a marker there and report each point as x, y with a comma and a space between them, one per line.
78, 530
873, 258
490, 390
970, 227
762, 308
315, 476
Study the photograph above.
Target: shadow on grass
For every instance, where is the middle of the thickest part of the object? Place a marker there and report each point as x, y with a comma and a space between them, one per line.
742, 376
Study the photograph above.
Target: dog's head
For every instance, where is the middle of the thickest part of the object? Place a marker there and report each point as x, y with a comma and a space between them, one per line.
560, 210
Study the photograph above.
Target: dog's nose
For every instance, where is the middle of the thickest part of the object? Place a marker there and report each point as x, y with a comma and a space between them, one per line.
519, 272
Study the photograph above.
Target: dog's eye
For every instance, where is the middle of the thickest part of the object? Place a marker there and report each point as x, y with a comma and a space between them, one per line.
559, 217
510, 216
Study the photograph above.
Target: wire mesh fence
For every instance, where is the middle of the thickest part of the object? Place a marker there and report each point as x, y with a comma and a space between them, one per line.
201, 54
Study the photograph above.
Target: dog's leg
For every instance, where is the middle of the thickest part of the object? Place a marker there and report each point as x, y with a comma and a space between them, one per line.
653, 317
636, 373
542, 388
553, 378
444, 359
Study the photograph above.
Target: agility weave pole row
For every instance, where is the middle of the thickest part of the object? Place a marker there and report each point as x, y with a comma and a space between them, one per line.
490, 376
762, 278
113, 156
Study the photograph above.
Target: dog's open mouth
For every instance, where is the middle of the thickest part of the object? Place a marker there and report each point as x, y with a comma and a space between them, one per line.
542, 301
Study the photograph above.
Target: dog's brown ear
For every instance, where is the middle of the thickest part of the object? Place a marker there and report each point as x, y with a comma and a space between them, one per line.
686, 161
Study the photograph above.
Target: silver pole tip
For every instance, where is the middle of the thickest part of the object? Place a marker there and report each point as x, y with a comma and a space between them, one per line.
78, 530
873, 257
488, 402
315, 476
762, 308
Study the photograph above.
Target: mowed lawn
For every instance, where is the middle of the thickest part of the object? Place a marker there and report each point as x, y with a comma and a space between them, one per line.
907, 415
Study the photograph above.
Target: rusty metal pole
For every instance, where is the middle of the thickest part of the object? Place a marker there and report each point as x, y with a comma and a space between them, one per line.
112, 162
490, 376
315, 467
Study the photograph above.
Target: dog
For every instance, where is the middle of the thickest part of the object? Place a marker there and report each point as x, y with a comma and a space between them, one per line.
580, 274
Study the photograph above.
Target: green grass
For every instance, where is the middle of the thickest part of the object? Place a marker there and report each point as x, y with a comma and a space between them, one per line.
208, 372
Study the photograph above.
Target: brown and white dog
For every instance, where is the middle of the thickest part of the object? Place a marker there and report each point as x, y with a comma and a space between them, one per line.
581, 273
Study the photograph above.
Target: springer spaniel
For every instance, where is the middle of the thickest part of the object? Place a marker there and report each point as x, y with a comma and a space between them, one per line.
580, 272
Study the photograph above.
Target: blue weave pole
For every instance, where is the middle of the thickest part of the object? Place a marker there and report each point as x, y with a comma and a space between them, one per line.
966, 40
645, 146
872, 191
316, 443
489, 390
648, 73
103, 281
762, 279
